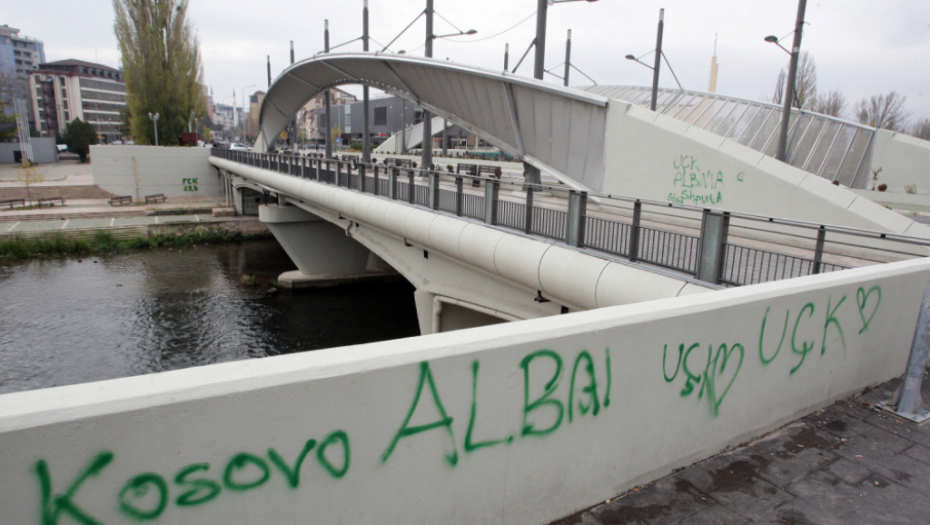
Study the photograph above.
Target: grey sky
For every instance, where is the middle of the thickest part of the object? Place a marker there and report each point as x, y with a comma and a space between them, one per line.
861, 47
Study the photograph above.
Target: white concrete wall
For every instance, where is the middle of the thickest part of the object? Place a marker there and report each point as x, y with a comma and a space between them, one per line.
43, 150
656, 157
173, 171
903, 160
513, 423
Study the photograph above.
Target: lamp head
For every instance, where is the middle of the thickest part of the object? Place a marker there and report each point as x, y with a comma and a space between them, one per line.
630, 57
471, 32
772, 39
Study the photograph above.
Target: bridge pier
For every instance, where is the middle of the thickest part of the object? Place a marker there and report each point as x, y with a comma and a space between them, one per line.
323, 252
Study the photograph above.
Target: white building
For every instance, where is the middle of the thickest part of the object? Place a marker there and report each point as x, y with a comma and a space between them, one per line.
68, 89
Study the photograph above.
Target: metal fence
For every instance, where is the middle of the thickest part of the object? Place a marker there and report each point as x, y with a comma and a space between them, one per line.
713, 246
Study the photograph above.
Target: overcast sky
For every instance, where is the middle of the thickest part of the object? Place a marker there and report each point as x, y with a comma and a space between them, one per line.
861, 47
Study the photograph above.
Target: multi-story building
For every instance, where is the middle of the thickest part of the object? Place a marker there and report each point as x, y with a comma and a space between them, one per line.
68, 89
18, 56
310, 119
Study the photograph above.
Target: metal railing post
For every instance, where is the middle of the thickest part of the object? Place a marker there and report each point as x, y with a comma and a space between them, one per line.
361, 177
392, 183
459, 196
377, 189
818, 250
433, 190
577, 210
906, 401
714, 229
491, 193
411, 189
528, 219
635, 231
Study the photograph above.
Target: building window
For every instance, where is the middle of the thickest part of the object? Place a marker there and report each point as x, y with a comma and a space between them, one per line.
381, 116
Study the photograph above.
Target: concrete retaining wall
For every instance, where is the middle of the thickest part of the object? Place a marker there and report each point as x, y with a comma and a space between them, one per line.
173, 171
656, 157
43, 150
513, 423
902, 160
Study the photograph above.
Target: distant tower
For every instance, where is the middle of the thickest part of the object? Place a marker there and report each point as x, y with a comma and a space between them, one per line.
713, 69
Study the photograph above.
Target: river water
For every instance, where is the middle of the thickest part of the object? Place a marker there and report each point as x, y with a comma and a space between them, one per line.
67, 321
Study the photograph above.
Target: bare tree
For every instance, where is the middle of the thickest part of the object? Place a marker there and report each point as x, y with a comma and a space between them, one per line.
806, 83
883, 111
922, 129
831, 103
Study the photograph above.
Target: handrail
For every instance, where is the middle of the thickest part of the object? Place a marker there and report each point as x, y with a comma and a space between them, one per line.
702, 250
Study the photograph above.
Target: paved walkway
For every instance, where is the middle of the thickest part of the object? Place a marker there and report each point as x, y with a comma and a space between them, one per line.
848, 464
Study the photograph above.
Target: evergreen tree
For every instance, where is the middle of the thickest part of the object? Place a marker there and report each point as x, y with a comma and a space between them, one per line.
162, 67
79, 136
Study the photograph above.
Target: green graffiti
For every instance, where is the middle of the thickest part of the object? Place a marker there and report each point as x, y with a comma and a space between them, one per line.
202, 489
54, 507
238, 463
609, 377
784, 330
862, 297
138, 488
692, 377
471, 446
343, 438
529, 428
719, 366
681, 351
426, 377
805, 346
593, 405
292, 475
831, 319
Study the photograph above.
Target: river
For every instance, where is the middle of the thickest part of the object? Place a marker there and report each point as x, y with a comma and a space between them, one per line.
67, 321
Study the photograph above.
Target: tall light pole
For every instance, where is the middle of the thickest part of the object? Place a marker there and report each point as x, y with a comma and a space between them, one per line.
329, 143
542, 6
366, 131
155, 120
427, 157
782, 152
655, 69
568, 56
242, 132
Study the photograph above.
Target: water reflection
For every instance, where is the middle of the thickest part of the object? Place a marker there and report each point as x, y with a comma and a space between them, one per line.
71, 321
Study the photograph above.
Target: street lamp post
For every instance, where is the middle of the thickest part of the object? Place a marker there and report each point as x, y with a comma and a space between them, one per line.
327, 136
154, 118
242, 124
366, 132
427, 157
655, 70
542, 7
568, 56
782, 152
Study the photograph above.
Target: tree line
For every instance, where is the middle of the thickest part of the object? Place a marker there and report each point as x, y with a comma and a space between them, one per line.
883, 111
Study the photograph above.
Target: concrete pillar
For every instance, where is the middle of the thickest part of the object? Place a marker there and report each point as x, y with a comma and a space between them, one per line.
323, 253
424, 303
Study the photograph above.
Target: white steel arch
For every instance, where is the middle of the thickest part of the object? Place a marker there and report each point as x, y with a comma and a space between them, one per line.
559, 130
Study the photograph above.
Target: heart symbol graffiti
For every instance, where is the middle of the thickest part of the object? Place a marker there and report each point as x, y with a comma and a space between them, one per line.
862, 299
719, 365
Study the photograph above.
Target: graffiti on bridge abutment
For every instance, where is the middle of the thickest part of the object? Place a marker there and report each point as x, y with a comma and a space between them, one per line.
566, 395
696, 186
710, 369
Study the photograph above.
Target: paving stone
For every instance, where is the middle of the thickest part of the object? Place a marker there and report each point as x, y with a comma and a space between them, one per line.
919, 452
783, 472
665, 502
809, 511
133, 221
824, 496
88, 223
899, 427
752, 499
727, 468
885, 502
907, 471
715, 515
871, 445
837, 422
856, 407
849, 472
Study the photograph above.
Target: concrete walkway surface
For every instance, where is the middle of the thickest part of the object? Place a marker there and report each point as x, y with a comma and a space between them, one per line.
848, 464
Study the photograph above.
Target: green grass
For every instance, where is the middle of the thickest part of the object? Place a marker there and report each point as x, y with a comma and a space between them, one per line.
19, 247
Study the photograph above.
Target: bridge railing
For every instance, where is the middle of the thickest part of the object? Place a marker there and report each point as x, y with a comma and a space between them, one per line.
712, 245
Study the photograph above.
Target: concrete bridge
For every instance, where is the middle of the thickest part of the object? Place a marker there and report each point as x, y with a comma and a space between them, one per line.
660, 360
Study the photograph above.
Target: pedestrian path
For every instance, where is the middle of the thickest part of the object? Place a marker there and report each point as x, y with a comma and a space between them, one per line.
848, 464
